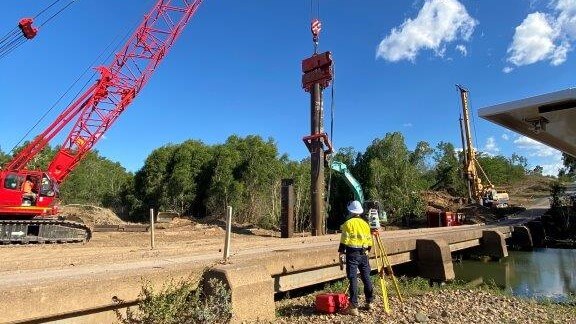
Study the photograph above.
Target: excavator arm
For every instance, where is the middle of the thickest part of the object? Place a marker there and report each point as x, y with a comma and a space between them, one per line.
342, 169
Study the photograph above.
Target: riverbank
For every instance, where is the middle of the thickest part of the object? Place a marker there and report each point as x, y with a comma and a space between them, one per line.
440, 305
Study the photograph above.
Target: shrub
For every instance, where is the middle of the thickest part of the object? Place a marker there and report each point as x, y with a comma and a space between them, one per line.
181, 303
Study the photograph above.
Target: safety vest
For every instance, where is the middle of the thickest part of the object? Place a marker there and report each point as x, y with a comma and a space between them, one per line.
27, 186
356, 233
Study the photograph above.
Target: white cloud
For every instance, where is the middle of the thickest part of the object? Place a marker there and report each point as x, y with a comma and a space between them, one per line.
437, 23
491, 147
544, 36
535, 148
548, 158
505, 137
533, 40
407, 125
507, 69
462, 49
552, 169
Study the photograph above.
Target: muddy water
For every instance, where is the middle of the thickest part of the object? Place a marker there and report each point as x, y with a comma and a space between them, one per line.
542, 273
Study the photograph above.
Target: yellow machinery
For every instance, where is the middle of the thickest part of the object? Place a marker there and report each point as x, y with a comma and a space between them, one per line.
485, 195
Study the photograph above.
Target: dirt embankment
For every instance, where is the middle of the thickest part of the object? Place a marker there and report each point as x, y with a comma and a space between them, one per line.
522, 195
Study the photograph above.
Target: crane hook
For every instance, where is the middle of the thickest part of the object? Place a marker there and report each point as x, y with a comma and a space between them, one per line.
315, 28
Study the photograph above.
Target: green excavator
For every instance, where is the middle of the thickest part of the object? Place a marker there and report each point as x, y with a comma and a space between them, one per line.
372, 210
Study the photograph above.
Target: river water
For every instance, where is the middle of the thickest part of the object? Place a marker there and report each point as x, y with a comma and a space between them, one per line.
541, 274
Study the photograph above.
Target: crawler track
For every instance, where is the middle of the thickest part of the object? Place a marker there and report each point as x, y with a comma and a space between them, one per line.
43, 231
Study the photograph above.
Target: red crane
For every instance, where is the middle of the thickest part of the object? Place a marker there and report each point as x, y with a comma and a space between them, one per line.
28, 196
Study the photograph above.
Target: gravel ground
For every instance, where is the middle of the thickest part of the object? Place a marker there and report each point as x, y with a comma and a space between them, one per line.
438, 306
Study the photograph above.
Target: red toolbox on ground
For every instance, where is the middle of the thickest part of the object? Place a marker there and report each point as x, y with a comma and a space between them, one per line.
330, 303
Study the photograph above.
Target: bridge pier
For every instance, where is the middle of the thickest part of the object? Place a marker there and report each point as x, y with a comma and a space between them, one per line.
251, 289
493, 244
522, 238
537, 232
434, 260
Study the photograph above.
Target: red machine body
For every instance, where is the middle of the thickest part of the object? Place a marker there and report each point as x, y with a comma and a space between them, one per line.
444, 219
93, 112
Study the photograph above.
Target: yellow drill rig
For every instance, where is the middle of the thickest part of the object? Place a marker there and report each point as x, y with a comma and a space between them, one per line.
487, 195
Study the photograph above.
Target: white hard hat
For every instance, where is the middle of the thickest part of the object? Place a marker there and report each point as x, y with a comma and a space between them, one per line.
355, 207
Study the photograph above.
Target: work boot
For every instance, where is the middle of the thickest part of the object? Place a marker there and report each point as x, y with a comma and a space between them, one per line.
369, 306
350, 310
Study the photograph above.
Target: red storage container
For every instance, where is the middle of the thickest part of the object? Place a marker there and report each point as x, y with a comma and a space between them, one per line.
330, 303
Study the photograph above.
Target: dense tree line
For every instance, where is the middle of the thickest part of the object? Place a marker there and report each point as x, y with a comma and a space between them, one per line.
199, 180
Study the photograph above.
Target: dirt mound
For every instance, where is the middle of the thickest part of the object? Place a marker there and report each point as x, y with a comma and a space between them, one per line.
438, 201
476, 214
531, 188
90, 215
441, 201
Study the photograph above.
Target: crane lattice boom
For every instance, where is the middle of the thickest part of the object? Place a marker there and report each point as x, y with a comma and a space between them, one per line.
119, 83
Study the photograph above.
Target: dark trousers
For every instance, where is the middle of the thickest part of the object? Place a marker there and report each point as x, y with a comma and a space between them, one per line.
358, 260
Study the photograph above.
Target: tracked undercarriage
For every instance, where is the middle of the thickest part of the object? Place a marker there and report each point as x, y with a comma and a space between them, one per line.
43, 231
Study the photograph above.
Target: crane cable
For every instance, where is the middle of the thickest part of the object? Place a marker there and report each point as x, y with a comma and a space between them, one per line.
332, 106
15, 38
110, 49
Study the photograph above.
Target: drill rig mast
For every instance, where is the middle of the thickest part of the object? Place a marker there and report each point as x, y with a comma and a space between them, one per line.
485, 195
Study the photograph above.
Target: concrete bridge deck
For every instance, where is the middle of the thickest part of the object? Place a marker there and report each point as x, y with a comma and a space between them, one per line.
282, 264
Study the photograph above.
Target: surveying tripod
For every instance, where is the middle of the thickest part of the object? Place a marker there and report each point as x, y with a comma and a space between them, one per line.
382, 262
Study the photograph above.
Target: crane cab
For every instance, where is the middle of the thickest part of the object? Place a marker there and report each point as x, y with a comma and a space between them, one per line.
27, 193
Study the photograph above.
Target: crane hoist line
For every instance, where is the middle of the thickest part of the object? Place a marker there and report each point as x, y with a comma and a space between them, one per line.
29, 199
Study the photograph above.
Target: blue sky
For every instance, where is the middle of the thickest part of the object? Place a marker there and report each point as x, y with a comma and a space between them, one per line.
236, 70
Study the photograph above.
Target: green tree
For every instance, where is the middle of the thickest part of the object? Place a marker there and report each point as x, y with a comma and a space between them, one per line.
569, 169
4, 158
95, 180
246, 174
501, 170
224, 189
39, 161
392, 177
150, 182
447, 173
538, 170
187, 165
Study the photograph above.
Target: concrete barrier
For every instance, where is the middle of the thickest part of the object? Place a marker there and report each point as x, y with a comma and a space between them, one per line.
251, 288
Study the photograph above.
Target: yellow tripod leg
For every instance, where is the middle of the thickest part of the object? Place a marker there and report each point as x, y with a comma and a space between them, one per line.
380, 268
389, 266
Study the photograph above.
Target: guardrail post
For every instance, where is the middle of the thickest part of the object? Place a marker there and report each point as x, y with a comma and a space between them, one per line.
152, 228
228, 232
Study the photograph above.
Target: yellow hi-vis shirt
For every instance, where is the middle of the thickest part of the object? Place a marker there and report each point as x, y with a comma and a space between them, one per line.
356, 233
